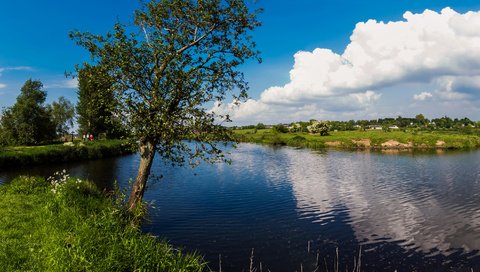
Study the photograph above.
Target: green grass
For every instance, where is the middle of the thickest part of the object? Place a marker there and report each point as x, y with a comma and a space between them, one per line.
350, 139
77, 228
31, 155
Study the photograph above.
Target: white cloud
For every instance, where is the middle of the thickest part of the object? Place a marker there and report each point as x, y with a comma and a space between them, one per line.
441, 48
17, 68
422, 96
71, 83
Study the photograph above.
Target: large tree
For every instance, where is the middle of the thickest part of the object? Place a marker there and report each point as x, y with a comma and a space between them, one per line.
96, 102
28, 121
184, 55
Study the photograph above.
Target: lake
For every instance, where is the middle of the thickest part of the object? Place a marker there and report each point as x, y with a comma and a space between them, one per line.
294, 207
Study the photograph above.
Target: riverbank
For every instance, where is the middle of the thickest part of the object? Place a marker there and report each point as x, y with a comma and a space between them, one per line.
370, 139
78, 151
72, 226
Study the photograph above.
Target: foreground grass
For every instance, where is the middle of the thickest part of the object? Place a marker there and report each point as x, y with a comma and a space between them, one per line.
74, 227
32, 155
363, 139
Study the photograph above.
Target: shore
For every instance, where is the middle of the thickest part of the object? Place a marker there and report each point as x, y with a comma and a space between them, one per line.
370, 139
55, 153
67, 224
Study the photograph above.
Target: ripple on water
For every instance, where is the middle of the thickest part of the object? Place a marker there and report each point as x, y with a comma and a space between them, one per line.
408, 211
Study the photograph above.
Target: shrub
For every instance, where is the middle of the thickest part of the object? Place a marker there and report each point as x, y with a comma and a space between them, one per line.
319, 127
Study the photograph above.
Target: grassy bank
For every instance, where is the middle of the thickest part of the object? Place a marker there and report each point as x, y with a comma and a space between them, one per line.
73, 227
32, 155
363, 139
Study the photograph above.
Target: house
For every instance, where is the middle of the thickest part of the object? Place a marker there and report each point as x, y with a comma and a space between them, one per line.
393, 127
374, 127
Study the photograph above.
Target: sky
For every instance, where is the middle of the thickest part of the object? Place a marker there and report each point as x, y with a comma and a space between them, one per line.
322, 59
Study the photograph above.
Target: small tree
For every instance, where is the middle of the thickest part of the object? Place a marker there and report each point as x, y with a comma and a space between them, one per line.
295, 127
63, 112
280, 128
97, 102
422, 121
28, 121
318, 127
184, 55
261, 126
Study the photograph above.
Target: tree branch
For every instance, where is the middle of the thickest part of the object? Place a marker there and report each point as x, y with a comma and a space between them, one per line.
196, 41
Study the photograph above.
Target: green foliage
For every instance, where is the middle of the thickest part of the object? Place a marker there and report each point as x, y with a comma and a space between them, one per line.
184, 55
319, 127
62, 112
260, 126
97, 105
349, 139
22, 156
67, 224
28, 121
280, 128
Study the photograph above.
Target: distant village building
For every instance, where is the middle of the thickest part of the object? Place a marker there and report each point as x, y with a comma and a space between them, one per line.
374, 127
393, 127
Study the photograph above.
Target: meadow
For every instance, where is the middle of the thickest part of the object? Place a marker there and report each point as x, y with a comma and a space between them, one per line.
66, 224
369, 139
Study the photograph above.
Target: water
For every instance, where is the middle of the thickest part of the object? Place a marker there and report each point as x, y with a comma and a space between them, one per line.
407, 211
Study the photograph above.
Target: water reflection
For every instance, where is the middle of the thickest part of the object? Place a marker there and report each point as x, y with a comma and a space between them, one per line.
419, 202
103, 171
409, 211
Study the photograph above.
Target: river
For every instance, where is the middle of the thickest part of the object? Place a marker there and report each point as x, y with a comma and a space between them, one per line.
405, 211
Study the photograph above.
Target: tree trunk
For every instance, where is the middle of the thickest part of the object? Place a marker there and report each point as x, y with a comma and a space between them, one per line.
147, 153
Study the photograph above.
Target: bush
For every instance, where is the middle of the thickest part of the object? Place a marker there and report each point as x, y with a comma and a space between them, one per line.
317, 127
280, 128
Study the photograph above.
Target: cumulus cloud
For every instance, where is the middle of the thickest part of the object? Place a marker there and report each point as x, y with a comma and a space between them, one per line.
2, 86
440, 48
422, 96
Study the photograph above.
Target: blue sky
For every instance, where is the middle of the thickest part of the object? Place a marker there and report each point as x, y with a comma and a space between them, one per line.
35, 44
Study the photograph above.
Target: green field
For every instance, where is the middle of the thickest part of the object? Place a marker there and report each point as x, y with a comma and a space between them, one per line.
31, 155
370, 139
75, 227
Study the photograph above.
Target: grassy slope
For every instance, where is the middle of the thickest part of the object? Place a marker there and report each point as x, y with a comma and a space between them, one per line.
345, 139
30, 155
76, 229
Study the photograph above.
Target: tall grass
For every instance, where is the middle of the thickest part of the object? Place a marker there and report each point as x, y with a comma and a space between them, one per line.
67, 224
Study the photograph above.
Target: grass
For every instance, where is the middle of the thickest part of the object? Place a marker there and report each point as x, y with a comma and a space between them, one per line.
72, 226
357, 139
33, 155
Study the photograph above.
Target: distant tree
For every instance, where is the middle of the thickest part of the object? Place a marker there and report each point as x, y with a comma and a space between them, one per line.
28, 121
421, 119
280, 128
184, 54
295, 127
97, 103
318, 127
444, 122
261, 126
62, 112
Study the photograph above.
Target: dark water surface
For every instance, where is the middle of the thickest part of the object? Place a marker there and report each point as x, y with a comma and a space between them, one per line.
407, 211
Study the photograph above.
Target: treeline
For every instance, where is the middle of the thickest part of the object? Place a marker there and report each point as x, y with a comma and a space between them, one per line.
419, 122
30, 121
